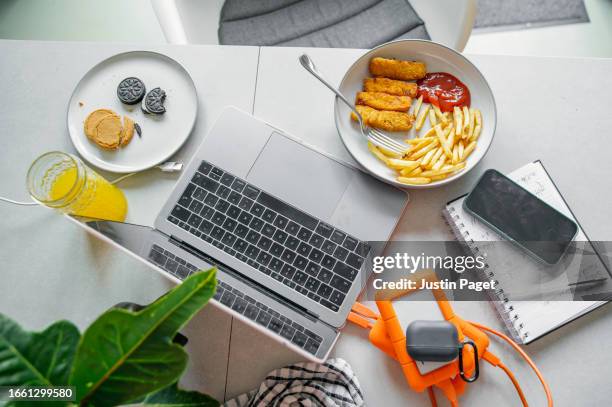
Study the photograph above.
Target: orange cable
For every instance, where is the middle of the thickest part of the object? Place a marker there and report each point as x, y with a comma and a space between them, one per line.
524, 355
432, 397
515, 383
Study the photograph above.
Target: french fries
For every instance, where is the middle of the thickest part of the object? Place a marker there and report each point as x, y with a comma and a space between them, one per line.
438, 153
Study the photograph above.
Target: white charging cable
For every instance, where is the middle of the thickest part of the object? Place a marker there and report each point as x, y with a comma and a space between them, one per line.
170, 166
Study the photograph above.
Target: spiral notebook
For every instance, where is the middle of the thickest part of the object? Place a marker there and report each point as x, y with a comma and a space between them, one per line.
525, 320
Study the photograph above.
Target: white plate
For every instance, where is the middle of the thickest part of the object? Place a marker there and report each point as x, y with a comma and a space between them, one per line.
162, 135
437, 58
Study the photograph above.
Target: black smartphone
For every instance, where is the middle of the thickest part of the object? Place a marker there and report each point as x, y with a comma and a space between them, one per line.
521, 217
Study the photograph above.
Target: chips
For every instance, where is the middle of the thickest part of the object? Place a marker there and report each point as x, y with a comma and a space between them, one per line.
441, 151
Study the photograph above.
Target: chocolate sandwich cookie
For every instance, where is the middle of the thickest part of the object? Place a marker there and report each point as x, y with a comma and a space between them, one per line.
154, 101
131, 90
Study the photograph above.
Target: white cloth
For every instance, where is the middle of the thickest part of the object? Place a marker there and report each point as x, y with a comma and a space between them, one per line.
331, 384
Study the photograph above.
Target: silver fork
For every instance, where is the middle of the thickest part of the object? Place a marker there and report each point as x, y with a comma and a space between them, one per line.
376, 137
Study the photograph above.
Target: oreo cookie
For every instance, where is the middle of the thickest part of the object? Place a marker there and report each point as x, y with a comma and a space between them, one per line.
131, 90
154, 101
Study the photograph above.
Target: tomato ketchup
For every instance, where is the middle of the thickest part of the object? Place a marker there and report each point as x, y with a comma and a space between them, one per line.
443, 90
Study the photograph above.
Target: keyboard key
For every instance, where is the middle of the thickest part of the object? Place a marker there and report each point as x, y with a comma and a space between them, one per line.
197, 179
157, 257
241, 230
245, 203
324, 230
300, 262
263, 318
312, 284
257, 209
251, 312
350, 243
238, 185
340, 253
228, 299
229, 224
268, 216
223, 191
280, 222
182, 272
264, 258
209, 184
287, 271
227, 179
311, 346
299, 339
264, 243
287, 332
345, 271
325, 275
328, 247
313, 296
216, 173
316, 255
304, 234
328, 262
303, 249
354, 261
228, 239
217, 233
268, 230
362, 249
252, 237
222, 206
181, 213
239, 305
194, 220
276, 249
199, 194
234, 197
300, 278
206, 226
313, 269
288, 256
287, 210
240, 245
279, 236
337, 237
337, 297
340, 284
251, 191
233, 212
276, 265
275, 325
316, 240
196, 206
252, 252
205, 168
256, 224
218, 218
211, 200
245, 217
292, 228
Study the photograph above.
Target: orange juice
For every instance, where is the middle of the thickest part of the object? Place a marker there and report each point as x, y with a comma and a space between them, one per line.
62, 181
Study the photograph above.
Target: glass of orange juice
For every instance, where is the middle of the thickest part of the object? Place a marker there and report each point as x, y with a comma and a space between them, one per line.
61, 181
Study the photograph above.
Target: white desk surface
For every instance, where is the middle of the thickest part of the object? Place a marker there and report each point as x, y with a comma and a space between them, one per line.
53, 270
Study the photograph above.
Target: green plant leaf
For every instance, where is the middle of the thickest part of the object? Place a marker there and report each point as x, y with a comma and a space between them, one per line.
42, 358
175, 397
125, 355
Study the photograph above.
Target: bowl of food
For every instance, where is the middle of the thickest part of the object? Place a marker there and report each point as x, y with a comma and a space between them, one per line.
426, 96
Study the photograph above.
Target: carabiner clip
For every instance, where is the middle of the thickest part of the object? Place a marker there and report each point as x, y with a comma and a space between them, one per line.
461, 370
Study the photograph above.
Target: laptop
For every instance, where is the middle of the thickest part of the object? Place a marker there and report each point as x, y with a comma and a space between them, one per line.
290, 229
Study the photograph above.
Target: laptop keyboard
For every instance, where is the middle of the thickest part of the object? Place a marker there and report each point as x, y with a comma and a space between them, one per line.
281, 241
242, 303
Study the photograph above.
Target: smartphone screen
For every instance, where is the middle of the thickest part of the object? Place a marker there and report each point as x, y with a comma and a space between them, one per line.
521, 216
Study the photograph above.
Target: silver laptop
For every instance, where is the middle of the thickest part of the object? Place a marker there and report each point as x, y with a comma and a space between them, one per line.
290, 229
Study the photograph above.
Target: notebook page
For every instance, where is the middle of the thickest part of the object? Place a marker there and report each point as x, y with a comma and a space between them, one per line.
515, 269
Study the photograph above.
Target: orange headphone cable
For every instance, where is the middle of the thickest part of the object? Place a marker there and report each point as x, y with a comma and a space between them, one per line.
524, 356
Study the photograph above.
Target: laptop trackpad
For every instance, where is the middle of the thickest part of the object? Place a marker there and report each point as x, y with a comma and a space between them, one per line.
300, 176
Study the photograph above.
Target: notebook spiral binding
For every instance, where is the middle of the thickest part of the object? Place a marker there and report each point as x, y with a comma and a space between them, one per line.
501, 302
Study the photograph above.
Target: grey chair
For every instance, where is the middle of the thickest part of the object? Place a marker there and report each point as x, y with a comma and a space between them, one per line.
326, 23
